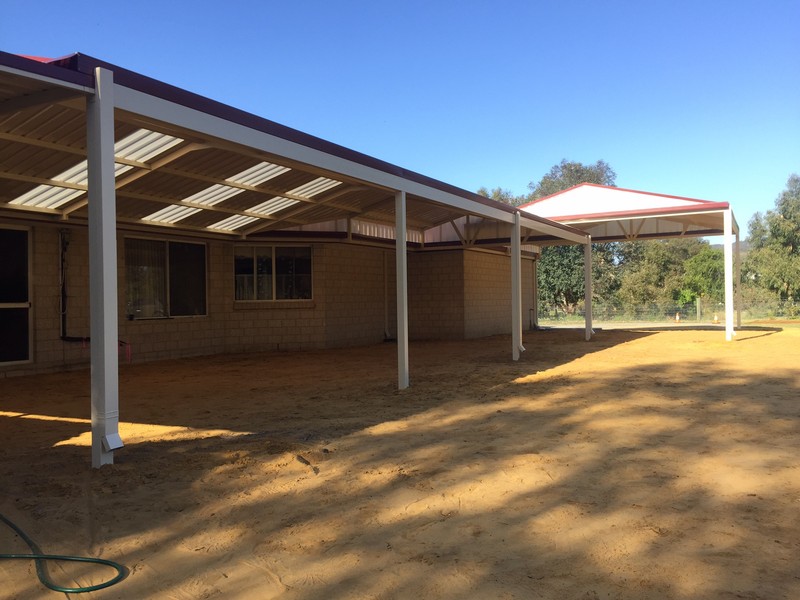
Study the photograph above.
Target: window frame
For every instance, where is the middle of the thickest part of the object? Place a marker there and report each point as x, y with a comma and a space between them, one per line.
167, 280
274, 248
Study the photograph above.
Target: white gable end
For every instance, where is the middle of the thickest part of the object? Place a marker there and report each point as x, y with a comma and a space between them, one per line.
591, 200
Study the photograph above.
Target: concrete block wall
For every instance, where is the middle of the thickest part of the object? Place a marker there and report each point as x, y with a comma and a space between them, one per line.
453, 294
487, 293
358, 296
436, 295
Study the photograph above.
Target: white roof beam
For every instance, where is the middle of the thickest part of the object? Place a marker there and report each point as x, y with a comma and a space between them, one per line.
142, 104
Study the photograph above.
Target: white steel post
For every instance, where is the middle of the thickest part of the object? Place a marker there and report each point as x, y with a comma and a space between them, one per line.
402, 289
728, 260
536, 293
587, 276
103, 270
516, 290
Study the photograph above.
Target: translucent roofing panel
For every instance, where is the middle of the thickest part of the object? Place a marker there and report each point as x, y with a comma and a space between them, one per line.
53, 196
47, 196
220, 192
273, 205
171, 214
233, 222
258, 174
312, 188
307, 190
214, 194
142, 145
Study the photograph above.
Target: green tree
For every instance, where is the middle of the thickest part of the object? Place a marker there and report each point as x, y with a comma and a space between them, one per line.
656, 276
704, 276
567, 174
774, 237
502, 195
561, 279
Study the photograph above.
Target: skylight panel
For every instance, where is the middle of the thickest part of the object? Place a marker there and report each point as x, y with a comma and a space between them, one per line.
233, 223
307, 190
47, 196
312, 188
171, 214
258, 174
213, 195
54, 196
143, 145
273, 205
219, 192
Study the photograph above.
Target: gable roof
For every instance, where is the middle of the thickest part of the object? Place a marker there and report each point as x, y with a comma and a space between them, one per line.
611, 214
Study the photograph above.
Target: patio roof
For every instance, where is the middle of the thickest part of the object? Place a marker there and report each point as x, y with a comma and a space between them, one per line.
610, 214
192, 165
619, 214
94, 144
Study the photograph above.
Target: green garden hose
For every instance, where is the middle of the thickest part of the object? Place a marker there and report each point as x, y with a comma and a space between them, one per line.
41, 571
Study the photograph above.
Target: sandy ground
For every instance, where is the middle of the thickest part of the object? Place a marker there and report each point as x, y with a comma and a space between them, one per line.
639, 465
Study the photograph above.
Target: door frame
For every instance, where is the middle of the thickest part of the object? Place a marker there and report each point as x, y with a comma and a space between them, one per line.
29, 303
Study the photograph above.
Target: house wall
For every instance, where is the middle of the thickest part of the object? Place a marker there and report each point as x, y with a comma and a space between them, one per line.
487, 293
358, 294
436, 295
453, 294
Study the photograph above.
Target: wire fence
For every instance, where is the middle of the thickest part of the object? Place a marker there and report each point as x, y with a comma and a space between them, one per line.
702, 312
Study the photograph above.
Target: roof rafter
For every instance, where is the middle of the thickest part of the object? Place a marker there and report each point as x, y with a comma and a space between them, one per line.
42, 98
289, 216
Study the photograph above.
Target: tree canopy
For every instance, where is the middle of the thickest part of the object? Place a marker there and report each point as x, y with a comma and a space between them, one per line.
502, 195
560, 177
561, 280
567, 174
774, 258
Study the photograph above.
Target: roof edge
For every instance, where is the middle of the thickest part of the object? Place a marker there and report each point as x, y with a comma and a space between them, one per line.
648, 212
620, 189
45, 67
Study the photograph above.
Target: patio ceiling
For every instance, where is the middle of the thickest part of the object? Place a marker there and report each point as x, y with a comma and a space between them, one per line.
187, 164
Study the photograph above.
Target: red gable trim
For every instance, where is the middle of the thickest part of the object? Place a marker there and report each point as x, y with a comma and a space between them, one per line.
618, 189
40, 59
649, 212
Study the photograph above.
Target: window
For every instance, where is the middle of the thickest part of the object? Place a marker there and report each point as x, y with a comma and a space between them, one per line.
165, 279
272, 273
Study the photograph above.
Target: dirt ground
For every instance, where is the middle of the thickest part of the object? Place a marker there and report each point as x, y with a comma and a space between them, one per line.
639, 465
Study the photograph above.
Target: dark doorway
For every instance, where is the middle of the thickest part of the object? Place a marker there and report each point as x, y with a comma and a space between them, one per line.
15, 305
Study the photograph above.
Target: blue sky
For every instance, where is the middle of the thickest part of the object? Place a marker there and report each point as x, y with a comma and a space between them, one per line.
693, 98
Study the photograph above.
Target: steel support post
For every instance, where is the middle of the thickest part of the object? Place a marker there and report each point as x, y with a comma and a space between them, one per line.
103, 270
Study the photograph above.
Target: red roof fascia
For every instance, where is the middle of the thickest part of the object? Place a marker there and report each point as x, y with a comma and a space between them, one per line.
707, 206
41, 59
